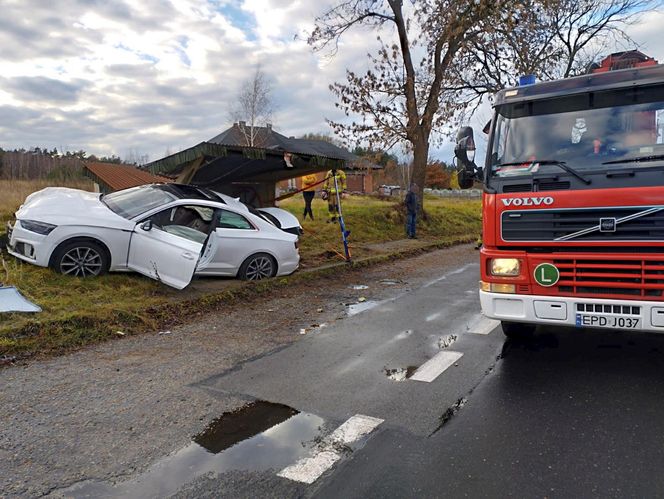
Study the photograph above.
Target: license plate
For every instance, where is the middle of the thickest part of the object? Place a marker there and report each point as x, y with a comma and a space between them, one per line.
608, 321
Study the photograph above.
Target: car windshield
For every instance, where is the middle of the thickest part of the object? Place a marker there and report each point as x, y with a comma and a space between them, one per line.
588, 132
132, 202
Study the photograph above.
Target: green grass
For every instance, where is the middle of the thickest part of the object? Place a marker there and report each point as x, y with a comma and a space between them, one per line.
77, 312
375, 220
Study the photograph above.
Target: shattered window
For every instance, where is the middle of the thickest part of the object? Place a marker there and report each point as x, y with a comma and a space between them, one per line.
191, 222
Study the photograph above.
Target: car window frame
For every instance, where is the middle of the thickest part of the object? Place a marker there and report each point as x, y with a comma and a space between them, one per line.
180, 204
225, 208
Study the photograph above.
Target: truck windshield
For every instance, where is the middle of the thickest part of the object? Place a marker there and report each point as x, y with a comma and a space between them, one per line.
594, 131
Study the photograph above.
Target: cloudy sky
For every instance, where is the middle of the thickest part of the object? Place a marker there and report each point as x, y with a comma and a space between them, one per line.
157, 76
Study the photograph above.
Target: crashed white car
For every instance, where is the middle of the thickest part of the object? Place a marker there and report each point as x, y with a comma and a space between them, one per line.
168, 232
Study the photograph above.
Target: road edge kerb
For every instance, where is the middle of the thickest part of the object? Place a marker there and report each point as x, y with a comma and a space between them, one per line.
132, 323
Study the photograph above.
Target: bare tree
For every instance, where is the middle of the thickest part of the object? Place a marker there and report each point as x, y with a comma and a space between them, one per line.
254, 107
406, 95
579, 24
549, 38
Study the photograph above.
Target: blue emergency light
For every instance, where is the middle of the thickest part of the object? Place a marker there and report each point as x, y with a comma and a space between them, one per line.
527, 80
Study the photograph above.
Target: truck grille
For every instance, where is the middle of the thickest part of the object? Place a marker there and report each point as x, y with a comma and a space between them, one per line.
637, 278
577, 225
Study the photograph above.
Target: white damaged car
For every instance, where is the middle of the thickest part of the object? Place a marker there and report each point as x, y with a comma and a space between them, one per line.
168, 232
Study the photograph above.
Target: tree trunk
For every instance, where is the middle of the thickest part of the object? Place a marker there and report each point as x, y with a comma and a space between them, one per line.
420, 156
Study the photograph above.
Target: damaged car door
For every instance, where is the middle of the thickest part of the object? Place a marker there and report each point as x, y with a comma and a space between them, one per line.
168, 245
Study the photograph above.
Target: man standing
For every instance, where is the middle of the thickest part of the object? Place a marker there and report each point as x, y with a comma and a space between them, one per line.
331, 188
411, 207
309, 186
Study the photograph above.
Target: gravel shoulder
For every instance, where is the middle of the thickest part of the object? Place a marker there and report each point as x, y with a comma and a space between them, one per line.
107, 412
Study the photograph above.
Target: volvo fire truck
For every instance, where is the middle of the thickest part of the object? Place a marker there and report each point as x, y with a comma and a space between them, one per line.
573, 202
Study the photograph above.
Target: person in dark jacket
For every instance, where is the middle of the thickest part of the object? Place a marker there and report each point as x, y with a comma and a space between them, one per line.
411, 207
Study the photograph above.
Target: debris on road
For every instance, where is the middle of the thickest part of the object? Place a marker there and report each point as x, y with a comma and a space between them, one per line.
120, 333
446, 341
6, 360
400, 374
162, 333
361, 299
359, 286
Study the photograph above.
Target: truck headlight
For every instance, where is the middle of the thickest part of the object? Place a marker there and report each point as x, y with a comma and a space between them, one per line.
505, 267
39, 227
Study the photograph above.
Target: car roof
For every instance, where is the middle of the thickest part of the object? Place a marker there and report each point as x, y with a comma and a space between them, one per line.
186, 191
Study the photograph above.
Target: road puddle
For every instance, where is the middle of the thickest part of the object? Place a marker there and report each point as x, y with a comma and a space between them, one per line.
356, 308
400, 374
258, 437
390, 282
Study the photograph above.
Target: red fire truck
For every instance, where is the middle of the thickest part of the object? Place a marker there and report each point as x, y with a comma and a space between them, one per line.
573, 203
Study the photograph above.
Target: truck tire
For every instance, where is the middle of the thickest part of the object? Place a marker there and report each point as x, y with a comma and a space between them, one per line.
517, 329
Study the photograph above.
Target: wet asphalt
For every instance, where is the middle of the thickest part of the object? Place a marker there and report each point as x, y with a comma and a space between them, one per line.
564, 413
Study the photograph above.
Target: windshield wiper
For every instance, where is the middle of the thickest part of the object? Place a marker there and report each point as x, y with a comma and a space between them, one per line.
638, 159
561, 164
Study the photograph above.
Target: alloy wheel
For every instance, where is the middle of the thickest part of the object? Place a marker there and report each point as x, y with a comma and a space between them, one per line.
259, 268
81, 261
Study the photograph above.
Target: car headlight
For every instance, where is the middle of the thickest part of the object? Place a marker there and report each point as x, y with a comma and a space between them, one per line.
505, 266
39, 227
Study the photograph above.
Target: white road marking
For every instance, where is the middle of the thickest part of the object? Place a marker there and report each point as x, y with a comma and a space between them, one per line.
309, 469
435, 366
485, 326
433, 317
454, 272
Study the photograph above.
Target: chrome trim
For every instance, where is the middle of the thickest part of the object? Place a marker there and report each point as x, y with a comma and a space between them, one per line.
618, 221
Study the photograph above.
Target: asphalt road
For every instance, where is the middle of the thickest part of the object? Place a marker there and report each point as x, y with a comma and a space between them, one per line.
419, 396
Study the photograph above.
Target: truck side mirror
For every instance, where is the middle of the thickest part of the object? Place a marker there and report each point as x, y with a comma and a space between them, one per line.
465, 146
465, 154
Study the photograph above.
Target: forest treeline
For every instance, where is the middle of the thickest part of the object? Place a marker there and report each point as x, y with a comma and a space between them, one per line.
26, 164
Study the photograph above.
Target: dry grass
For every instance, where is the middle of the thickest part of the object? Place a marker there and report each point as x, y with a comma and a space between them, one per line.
14, 192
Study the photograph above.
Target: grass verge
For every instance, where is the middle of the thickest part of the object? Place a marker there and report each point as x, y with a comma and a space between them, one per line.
79, 312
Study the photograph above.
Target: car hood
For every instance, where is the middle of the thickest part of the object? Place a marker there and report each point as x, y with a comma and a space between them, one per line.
64, 206
286, 219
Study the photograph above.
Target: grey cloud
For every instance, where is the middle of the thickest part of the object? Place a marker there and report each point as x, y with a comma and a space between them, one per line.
40, 88
144, 72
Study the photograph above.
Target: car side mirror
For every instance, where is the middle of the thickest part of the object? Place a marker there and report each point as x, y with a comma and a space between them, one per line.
147, 225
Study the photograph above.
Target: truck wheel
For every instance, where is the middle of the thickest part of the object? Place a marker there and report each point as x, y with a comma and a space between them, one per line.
517, 329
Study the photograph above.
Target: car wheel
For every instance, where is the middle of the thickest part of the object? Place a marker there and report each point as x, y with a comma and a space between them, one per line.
517, 329
257, 267
82, 259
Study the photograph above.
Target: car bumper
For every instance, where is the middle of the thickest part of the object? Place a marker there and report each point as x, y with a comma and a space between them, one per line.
569, 311
27, 246
286, 268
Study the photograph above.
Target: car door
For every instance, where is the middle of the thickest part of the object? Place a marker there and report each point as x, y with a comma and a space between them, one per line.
168, 245
234, 238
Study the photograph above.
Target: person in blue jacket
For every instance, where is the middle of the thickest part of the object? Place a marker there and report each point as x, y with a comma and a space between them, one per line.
411, 207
